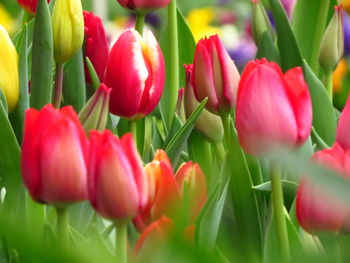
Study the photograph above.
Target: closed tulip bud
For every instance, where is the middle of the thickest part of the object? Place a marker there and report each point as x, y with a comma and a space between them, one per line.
116, 180
260, 22
193, 187
30, 5
143, 5
95, 113
332, 45
214, 131
9, 83
163, 193
273, 109
214, 75
136, 75
96, 45
68, 29
54, 156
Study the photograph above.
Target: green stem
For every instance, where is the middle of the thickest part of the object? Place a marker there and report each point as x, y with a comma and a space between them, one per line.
320, 27
62, 226
133, 129
219, 150
227, 135
278, 208
121, 242
140, 22
328, 83
57, 97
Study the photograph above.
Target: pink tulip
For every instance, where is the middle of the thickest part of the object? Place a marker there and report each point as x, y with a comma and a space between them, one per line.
143, 4
273, 109
135, 73
54, 155
214, 75
117, 188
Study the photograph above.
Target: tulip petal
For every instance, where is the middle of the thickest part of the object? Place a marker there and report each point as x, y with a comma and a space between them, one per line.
343, 129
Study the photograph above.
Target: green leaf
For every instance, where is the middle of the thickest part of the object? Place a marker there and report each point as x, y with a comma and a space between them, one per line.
80, 216
287, 43
178, 142
267, 49
324, 120
3, 102
74, 92
42, 60
95, 81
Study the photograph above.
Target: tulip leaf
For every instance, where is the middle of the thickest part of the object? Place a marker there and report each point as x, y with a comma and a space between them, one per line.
42, 60
267, 49
178, 141
287, 43
3, 102
17, 116
157, 138
318, 140
80, 216
95, 81
74, 91
175, 127
324, 120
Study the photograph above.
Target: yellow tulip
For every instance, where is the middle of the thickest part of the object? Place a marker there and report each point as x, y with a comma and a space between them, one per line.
9, 83
68, 29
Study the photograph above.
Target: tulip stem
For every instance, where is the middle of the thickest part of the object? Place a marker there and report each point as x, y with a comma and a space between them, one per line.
121, 242
133, 130
140, 22
57, 97
62, 226
227, 131
278, 208
219, 151
328, 82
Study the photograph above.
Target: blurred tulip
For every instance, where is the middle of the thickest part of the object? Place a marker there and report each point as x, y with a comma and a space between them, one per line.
260, 22
214, 131
346, 5
30, 5
9, 83
193, 187
143, 5
68, 29
54, 156
273, 109
332, 45
343, 127
136, 75
214, 75
96, 45
163, 192
95, 113
116, 180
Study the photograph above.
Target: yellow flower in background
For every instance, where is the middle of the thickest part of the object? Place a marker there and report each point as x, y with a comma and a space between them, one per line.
199, 21
339, 75
6, 20
346, 5
9, 83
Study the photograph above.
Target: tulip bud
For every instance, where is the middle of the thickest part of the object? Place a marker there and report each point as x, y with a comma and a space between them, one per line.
260, 22
193, 187
9, 83
95, 113
273, 109
163, 193
214, 131
143, 5
54, 155
116, 179
332, 45
96, 45
68, 29
30, 5
214, 75
136, 75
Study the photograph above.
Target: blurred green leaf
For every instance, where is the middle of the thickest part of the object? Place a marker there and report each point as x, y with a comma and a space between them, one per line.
95, 81
267, 49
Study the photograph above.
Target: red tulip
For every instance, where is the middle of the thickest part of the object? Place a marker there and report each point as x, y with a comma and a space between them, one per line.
143, 4
163, 192
96, 45
135, 72
273, 109
54, 155
214, 75
30, 5
116, 179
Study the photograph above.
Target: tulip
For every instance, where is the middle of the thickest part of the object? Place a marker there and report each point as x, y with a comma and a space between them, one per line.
273, 109
68, 29
343, 127
96, 45
163, 193
260, 22
346, 5
116, 179
193, 188
54, 156
9, 83
214, 75
136, 75
214, 131
30, 5
143, 5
